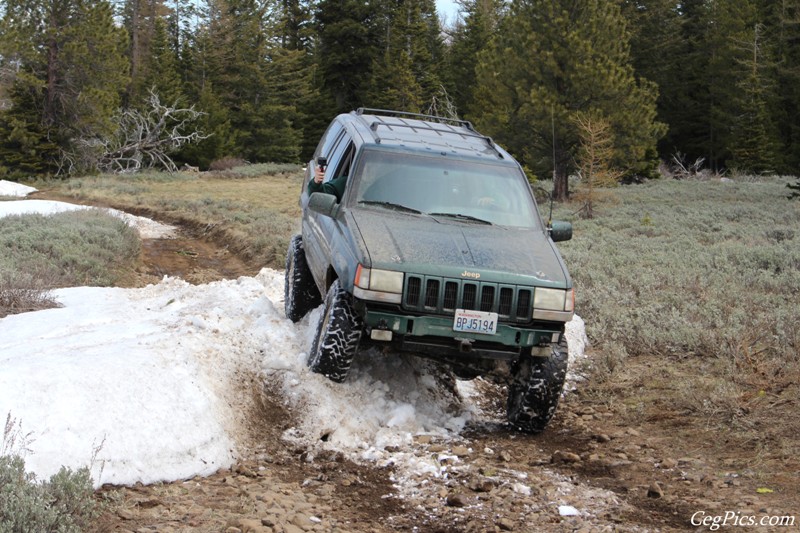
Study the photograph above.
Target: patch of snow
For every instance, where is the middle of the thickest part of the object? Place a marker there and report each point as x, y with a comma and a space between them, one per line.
568, 510
148, 229
10, 188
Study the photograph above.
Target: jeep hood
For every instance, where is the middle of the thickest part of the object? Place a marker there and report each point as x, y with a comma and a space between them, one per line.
424, 244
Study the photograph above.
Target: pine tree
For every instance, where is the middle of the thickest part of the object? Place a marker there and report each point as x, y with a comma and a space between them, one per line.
259, 84
348, 46
216, 123
139, 19
595, 153
25, 149
660, 53
71, 68
783, 24
162, 75
406, 77
295, 28
469, 38
288, 91
551, 60
754, 139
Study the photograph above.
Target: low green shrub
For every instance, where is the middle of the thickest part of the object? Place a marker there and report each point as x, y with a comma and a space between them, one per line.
704, 268
227, 163
64, 504
39, 253
233, 170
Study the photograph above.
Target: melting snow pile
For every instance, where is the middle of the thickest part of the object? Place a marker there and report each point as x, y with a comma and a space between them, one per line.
9, 188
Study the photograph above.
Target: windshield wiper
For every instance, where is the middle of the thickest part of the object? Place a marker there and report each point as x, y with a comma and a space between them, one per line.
459, 216
391, 205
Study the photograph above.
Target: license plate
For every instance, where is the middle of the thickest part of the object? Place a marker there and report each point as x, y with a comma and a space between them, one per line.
468, 321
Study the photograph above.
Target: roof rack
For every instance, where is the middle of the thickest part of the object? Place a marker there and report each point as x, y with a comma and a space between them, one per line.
401, 114
389, 113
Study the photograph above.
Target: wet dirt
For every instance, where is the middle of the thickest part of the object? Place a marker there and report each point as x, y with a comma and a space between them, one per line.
194, 259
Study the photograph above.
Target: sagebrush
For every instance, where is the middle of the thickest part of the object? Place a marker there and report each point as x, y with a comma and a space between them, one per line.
65, 503
40, 253
702, 271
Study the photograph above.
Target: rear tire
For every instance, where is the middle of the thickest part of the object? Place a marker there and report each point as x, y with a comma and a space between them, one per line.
338, 335
536, 387
300, 291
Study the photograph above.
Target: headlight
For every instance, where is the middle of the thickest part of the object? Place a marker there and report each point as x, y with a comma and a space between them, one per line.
380, 285
557, 305
553, 299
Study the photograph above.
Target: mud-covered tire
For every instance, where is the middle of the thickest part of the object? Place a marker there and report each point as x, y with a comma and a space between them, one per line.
338, 335
300, 291
536, 387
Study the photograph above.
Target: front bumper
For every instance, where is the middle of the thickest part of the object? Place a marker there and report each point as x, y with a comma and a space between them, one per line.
434, 335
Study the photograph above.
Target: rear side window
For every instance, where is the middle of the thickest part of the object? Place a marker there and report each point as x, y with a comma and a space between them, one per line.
338, 157
326, 144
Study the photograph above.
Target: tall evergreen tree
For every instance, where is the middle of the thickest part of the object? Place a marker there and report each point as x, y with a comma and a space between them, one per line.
348, 45
754, 138
551, 60
139, 19
783, 24
660, 53
216, 123
469, 37
71, 64
162, 74
405, 76
296, 30
237, 54
24, 145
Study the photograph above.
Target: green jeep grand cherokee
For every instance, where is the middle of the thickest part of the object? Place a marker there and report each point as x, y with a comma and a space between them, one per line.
437, 249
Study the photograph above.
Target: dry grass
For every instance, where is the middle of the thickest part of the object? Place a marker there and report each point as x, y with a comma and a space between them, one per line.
254, 215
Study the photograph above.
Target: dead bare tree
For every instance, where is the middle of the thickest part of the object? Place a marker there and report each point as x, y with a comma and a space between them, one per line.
143, 139
442, 106
681, 169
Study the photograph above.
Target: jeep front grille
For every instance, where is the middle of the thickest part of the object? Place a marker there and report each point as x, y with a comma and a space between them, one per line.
430, 294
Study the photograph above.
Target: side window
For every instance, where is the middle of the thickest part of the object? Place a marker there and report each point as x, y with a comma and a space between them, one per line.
335, 157
328, 140
347, 159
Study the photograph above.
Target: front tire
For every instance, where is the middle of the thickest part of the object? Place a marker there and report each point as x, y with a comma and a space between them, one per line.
338, 335
300, 291
536, 387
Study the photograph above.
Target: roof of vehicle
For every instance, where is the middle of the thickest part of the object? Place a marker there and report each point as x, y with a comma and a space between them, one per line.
423, 132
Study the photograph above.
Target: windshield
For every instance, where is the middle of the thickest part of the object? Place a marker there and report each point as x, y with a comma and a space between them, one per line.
445, 187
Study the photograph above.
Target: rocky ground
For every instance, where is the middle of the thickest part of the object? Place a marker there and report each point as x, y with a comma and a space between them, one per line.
587, 472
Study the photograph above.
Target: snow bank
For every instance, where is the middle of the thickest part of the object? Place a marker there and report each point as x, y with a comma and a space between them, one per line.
10, 188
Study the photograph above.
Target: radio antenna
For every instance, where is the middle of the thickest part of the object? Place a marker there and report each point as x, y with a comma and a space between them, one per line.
552, 193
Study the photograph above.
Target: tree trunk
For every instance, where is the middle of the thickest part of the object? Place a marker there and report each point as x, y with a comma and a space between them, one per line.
49, 115
560, 180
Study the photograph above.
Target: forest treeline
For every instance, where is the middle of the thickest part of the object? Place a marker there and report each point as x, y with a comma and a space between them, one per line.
711, 79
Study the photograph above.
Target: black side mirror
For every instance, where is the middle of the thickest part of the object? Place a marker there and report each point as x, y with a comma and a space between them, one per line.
560, 231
